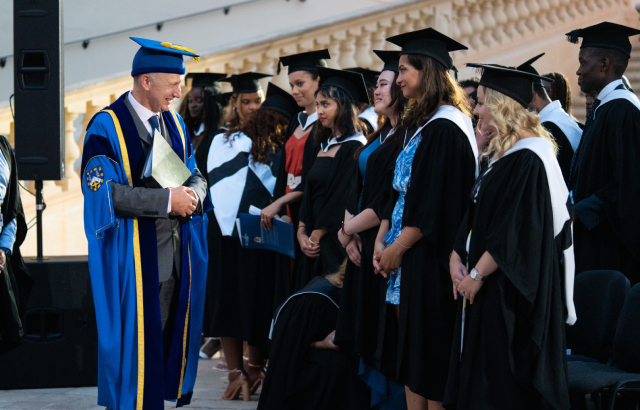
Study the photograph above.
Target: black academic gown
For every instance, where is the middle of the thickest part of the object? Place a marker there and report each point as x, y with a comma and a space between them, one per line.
342, 177
565, 150
301, 377
514, 344
202, 154
363, 290
443, 172
244, 286
281, 184
607, 180
15, 281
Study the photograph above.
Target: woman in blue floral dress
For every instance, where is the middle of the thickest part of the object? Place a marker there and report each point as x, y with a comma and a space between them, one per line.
433, 177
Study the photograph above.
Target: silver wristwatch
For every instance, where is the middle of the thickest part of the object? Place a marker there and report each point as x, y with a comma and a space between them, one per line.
476, 276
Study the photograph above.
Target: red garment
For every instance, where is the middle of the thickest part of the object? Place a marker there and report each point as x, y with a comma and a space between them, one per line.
294, 149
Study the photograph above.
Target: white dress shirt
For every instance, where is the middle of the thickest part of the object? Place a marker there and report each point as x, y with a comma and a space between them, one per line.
143, 112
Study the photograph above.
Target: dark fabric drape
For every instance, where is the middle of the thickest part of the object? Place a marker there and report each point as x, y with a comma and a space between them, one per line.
513, 352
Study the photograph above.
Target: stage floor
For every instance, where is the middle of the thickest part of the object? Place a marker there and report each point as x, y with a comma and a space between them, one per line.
209, 388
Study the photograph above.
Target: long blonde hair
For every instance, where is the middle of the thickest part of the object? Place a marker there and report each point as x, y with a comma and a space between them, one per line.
511, 121
337, 278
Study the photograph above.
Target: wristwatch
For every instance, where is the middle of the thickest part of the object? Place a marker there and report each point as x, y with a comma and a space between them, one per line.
476, 276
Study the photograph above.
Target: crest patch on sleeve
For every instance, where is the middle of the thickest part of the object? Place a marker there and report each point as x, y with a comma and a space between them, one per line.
95, 178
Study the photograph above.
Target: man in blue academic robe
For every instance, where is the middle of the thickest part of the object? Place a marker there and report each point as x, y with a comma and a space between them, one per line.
147, 246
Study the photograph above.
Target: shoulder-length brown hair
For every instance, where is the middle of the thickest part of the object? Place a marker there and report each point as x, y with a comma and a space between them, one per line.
267, 129
436, 86
399, 103
346, 115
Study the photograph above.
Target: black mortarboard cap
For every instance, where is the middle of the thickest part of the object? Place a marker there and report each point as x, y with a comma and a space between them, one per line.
370, 76
390, 58
307, 61
280, 100
246, 83
222, 98
527, 67
605, 35
348, 81
509, 81
428, 42
204, 79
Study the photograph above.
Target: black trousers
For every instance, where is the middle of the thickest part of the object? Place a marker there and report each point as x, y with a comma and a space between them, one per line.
169, 298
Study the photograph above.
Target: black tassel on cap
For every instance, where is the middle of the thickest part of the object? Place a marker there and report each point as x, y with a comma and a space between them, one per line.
573, 36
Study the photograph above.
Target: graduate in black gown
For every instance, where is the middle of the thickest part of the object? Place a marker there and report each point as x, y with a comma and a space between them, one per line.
299, 145
218, 108
513, 262
605, 174
360, 304
564, 129
244, 284
201, 117
306, 369
368, 114
15, 281
432, 179
331, 175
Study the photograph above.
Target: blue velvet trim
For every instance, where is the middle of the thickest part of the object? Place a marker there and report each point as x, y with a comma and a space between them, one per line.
175, 135
385, 394
147, 70
153, 349
97, 145
185, 399
174, 361
154, 356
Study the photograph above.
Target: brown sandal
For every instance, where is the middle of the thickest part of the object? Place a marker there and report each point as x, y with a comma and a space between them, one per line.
256, 384
241, 387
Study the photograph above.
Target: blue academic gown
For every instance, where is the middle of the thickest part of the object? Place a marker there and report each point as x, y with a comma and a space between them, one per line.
123, 265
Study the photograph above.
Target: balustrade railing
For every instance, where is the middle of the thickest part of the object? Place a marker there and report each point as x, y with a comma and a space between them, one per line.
494, 30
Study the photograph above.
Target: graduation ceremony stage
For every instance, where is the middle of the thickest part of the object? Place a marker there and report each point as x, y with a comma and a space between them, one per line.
209, 387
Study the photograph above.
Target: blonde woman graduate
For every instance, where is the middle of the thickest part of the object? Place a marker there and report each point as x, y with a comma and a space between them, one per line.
513, 262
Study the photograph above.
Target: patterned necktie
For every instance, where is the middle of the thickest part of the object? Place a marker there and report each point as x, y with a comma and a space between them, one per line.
155, 124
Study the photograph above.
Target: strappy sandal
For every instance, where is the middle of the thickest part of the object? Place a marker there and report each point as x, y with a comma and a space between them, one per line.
256, 384
241, 387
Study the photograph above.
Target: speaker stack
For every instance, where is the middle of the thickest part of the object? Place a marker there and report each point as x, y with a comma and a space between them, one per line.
60, 345
38, 89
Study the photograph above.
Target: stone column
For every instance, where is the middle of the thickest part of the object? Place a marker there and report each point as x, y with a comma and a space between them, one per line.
91, 110
347, 48
363, 50
12, 134
71, 153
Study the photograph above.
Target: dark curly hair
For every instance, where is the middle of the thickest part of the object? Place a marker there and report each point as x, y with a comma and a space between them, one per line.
560, 90
436, 85
267, 129
346, 115
399, 103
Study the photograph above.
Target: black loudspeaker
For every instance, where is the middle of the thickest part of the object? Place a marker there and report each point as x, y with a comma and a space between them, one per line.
60, 346
38, 89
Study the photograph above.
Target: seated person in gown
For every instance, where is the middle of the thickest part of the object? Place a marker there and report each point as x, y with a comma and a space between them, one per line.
306, 369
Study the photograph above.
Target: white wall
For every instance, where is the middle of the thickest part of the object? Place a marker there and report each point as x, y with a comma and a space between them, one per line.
197, 28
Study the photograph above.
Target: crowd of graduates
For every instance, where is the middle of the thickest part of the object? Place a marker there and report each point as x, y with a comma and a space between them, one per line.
435, 223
